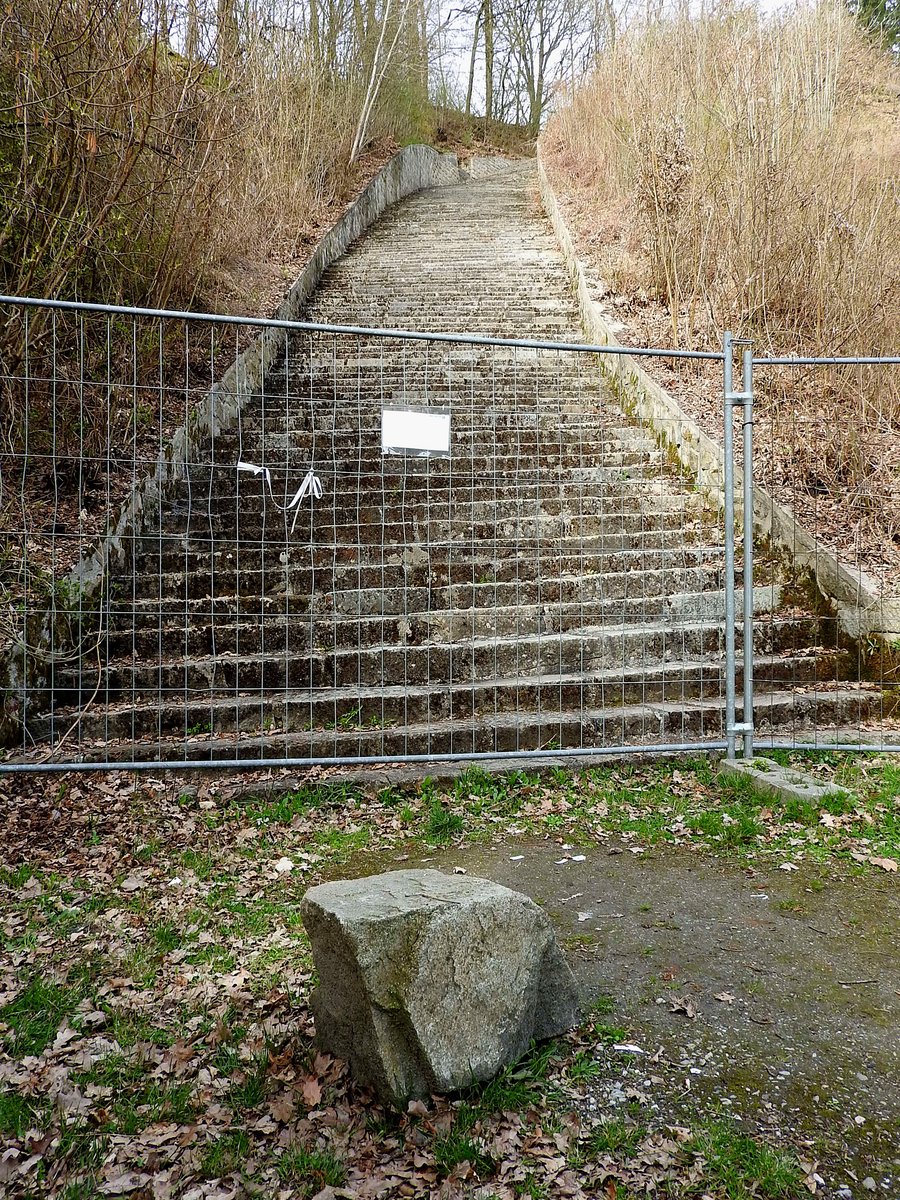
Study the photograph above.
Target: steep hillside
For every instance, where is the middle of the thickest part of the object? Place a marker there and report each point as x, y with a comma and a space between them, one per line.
741, 172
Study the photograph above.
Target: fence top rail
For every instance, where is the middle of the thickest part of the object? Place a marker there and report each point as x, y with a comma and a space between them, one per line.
465, 339
849, 360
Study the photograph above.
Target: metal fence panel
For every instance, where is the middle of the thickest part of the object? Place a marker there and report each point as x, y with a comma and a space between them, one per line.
827, 463
214, 554
277, 586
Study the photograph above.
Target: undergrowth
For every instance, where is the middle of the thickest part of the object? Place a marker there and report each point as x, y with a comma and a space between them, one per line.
740, 168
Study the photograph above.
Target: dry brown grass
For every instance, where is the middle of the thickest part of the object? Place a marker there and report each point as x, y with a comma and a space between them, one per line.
743, 171
127, 169
132, 174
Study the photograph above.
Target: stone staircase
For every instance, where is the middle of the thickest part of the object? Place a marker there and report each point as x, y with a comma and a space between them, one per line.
555, 582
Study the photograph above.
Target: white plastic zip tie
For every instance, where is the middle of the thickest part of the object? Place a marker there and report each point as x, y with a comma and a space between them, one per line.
311, 486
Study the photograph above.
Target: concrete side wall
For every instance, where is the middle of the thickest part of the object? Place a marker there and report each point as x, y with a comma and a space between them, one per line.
24, 674
862, 608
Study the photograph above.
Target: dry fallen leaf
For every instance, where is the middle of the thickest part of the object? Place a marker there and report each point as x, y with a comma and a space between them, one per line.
725, 997
311, 1091
282, 1107
121, 1185
886, 864
682, 1005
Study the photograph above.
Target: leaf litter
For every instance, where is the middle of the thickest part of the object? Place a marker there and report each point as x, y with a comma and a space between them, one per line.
157, 1036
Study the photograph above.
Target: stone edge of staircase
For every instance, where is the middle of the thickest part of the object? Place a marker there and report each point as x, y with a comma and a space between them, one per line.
862, 608
24, 674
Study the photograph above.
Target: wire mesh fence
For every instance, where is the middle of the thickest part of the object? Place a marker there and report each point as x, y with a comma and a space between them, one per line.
241, 542
827, 463
289, 584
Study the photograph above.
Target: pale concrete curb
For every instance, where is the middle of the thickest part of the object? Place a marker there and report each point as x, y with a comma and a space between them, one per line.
769, 778
25, 677
862, 608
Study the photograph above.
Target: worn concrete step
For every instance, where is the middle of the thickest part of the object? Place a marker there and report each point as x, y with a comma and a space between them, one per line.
465, 491
633, 725
335, 663
174, 569
129, 628
434, 528
285, 560
354, 452
386, 599
282, 447
201, 691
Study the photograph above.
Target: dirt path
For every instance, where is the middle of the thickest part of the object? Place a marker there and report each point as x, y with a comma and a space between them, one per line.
792, 978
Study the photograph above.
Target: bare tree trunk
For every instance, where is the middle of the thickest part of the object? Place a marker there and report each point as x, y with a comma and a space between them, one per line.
472, 62
488, 60
192, 32
227, 47
314, 34
423, 51
380, 65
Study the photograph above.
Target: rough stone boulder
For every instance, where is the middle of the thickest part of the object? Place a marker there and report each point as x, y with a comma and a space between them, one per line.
432, 982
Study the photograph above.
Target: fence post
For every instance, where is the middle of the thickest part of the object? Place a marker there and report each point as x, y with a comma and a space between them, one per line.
747, 402
728, 390
732, 400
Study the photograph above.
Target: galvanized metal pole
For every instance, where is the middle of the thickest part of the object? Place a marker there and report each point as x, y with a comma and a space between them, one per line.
728, 391
748, 552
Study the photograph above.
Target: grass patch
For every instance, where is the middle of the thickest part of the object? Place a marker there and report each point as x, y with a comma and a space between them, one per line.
442, 823
740, 1168
249, 1091
136, 1100
166, 937
36, 1014
608, 1035
304, 800
82, 1147
153, 1102
18, 1114
615, 1137
311, 1170
584, 1067
225, 1155
129, 1028
459, 1145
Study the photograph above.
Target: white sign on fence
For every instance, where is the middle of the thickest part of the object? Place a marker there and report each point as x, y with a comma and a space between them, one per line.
424, 431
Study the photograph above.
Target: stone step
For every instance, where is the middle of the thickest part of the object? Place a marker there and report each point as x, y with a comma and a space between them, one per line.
345, 661
503, 732
129, 627
622, 588
466, 560
198, 691
433, 528
522, 455
184, 571
380, 476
